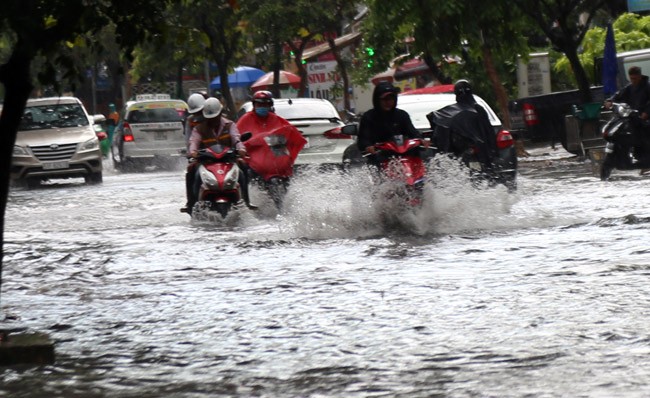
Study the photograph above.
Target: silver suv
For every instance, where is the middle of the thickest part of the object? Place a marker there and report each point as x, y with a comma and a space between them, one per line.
56, 139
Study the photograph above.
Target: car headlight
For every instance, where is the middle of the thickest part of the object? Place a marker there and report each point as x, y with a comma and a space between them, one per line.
90, 144
20, 151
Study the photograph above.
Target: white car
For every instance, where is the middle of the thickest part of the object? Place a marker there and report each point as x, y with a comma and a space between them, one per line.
419, 103
55, 140
320, 124
149, 129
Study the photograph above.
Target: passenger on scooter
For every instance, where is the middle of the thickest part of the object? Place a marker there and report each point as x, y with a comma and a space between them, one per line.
637, 95
212, 130
384, 121
195, 105
262, 117
463, 125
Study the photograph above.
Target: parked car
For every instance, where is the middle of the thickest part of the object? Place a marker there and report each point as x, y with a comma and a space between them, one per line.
320, 124
149, 130
419, 103
56, 139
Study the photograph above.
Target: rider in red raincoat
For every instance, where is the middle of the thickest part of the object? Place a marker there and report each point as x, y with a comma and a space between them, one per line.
262, 118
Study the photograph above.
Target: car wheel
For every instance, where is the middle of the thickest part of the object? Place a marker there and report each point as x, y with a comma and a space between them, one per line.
32, 182
94, 178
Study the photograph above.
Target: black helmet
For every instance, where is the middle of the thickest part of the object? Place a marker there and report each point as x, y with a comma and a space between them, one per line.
462, 88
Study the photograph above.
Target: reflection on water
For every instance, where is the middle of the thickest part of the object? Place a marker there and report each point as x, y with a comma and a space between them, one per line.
478, 293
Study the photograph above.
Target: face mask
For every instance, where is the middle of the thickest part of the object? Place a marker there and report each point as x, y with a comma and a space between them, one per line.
262, 112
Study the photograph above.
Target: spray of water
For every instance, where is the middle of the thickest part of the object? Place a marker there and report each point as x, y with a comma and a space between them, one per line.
342, 205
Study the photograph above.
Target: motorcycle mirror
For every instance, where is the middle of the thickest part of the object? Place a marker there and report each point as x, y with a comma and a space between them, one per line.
349, 129
246, 136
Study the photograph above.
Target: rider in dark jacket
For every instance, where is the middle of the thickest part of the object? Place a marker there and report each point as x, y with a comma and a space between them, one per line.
384, 120
463, 125
637, 95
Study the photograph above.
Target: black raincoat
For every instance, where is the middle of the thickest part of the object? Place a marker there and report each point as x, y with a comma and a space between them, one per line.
377, 125
462, 125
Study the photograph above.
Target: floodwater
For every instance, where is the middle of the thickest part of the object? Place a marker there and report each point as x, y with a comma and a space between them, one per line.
481, 293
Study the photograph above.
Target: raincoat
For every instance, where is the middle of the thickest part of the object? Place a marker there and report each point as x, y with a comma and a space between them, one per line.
377, 125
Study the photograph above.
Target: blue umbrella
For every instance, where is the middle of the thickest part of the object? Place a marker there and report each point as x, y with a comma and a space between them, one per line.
243, 76
610, 66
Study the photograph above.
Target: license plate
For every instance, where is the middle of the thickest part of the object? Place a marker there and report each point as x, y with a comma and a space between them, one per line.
56, 165
160, 136
475, 166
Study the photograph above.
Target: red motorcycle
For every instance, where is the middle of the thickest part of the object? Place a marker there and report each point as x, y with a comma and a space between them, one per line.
401, 164
271, 158
219, 178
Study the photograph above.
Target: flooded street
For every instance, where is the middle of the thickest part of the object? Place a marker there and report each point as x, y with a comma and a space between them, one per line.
481, 293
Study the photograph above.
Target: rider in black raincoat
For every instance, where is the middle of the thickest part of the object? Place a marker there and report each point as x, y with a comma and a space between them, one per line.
384, 121
464, 126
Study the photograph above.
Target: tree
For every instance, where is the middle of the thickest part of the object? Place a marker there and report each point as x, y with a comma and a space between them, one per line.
631, 31
46, 28
473, 28
565, 23
222, 24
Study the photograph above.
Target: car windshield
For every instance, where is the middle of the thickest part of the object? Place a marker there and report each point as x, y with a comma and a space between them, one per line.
53, 116
317, 110
155, 113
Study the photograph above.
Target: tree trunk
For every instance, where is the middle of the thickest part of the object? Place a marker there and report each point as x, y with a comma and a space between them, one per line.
579, 73
302, 71
499, 90
277, 65
15, 77
437, 72
344, 73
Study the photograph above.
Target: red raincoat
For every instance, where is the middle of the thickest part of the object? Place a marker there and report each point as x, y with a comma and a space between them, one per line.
274, 146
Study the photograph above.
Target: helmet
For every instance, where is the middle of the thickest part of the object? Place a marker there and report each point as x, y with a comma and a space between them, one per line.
195, 103
263, 97
212, 108
462, 87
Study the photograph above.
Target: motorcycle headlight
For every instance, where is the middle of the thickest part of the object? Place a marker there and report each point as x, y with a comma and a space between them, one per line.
90, 144
208, 178
231, 179
623, 110
20, 151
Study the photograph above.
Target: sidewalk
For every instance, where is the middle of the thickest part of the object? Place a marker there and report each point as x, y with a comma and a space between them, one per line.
542, 151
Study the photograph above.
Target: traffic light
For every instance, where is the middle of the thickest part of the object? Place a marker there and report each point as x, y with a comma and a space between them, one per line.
370, 52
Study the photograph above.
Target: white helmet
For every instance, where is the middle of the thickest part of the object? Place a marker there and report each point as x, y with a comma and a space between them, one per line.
195, 103
212, 108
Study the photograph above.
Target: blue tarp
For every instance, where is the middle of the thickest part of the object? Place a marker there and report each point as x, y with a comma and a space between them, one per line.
243, 76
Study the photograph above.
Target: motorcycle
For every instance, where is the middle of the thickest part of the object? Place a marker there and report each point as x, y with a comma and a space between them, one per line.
271, 156
490, 155
624, 149
219, 190
401, 164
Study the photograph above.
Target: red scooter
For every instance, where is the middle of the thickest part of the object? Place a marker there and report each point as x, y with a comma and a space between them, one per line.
401, 165
271, 158
219, 181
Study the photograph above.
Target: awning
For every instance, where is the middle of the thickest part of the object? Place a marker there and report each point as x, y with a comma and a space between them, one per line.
343, 41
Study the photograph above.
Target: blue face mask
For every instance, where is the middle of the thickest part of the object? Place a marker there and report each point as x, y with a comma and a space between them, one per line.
262, 112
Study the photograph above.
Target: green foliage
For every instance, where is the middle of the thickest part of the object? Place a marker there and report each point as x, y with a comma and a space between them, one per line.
631, 32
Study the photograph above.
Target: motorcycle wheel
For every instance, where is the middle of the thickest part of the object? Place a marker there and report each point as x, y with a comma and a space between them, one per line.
222, 208
607, 167
277, 190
